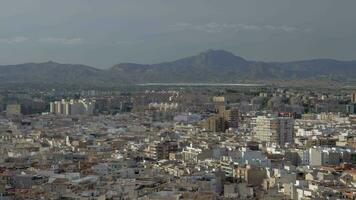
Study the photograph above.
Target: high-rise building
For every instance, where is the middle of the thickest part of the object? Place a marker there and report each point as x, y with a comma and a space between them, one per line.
277, 130
231, 116
58, 106
215, 124
351, 108
234, 118
219, 100
159, 150
1, 104
324, 157
73, 107
191, 154
13, 109
353, 97
52, 107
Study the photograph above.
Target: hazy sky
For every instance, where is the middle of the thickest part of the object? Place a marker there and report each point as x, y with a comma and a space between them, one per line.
102, 33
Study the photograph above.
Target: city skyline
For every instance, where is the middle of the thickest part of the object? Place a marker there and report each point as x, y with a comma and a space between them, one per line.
177, 99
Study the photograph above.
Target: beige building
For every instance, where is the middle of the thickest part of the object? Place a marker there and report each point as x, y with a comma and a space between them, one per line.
219, 100
214, 124
190, 154
353, 97
277, 130
230, 115
13, 109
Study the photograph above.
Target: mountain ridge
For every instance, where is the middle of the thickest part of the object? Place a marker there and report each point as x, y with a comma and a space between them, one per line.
211, 66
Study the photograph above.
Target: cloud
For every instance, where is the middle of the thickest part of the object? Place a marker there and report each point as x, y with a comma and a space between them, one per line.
308, 30
13, 40
226, 27
62, 41
281, 28
209, 28
128, 42
249, 27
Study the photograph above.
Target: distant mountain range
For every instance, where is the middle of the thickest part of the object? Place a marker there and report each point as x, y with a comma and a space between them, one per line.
212, 66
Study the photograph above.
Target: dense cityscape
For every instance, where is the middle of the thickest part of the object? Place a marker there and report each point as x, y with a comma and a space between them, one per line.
177, 100
198, 142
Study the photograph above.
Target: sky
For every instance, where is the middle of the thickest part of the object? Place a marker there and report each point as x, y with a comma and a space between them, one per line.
102, 33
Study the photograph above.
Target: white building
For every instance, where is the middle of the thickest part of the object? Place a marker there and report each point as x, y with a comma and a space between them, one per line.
73, 107
324, 156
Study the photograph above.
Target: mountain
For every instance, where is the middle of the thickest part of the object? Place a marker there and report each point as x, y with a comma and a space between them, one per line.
51, 73
204, 67
223, 66
211, 66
